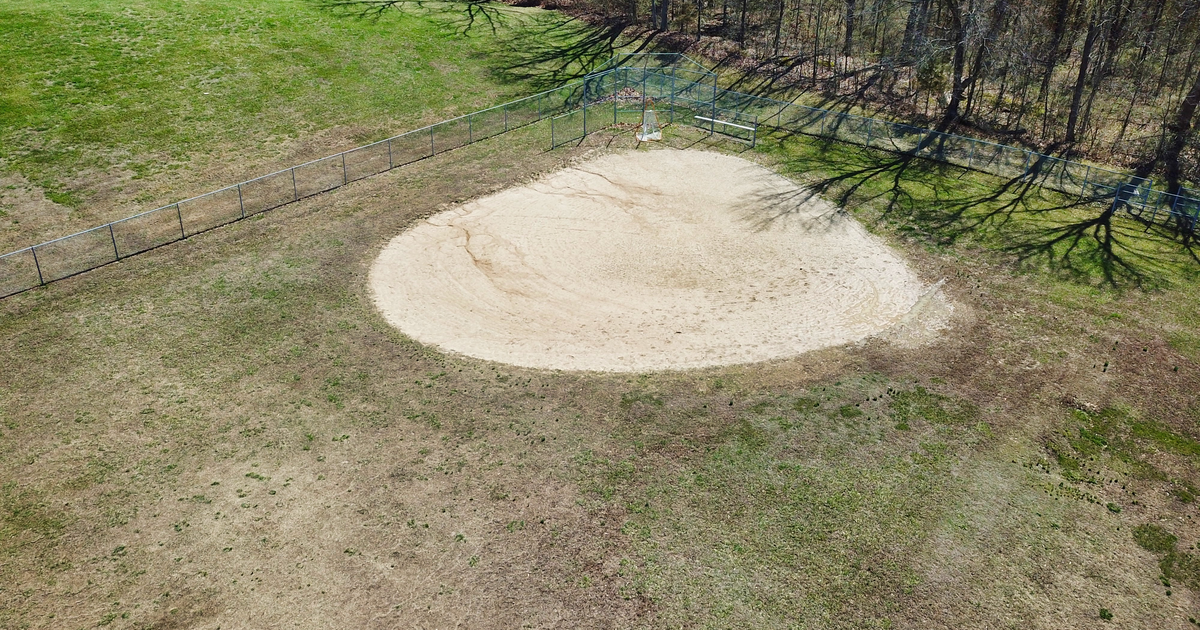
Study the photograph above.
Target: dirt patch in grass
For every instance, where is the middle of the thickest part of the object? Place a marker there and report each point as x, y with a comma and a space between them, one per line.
647, 260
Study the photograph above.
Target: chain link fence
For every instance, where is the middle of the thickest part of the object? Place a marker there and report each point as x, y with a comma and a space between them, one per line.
679, 95
71, 255
701, 103
1123, 191
681, 89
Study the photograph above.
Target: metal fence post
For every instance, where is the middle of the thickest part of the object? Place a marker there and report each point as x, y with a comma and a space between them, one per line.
643, 89
506, 118
33, 250
1154, 213
345, 180
671, 119
390, 164
116, 253
585, 104
432, 150
712, 125
1086, 175
470, 130
241, 203
971, 157
1028, 154
179, 213
295, 189
869, 121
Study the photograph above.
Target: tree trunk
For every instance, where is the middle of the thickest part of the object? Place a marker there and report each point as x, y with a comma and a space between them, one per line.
1137, 91
914, 29
816, 55
779, 26
1178, 132
742, 25
978, 68
1151, 33
1114, 37
847, 45
1097, 78
957, 65
1085, 60
1057, 32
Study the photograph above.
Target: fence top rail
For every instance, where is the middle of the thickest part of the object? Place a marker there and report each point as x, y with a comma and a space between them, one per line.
368, 146
160, 208
723, 122
14, 253
71, 236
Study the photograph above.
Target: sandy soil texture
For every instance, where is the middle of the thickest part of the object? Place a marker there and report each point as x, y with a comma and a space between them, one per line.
644, 260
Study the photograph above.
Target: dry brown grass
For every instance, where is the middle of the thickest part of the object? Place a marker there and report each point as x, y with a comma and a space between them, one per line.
224, 432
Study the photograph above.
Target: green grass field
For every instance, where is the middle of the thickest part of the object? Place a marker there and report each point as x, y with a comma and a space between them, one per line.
109, 108
225, 433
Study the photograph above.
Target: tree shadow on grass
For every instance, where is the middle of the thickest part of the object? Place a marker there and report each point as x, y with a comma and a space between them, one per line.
551, 49
465, 15
1088, 240
543, 49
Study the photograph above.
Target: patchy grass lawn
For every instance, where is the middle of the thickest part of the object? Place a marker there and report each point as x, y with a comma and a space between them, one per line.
224, 432
108, 108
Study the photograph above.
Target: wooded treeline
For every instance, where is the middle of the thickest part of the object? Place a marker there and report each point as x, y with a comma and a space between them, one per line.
1116, 80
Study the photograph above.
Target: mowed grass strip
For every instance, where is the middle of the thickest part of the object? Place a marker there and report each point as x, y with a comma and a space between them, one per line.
107, 109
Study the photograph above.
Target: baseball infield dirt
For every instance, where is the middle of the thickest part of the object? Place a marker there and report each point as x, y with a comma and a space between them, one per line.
648, 260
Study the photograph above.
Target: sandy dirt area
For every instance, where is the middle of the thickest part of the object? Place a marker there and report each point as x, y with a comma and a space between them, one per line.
646, 260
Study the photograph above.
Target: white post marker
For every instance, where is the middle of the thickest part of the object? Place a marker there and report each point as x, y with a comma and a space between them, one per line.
650, 127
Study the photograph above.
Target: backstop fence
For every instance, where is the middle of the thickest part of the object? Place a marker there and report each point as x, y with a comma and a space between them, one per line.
682, 91
701, 103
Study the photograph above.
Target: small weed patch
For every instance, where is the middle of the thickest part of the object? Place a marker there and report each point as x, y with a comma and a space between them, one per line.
1155, 538
921, 404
